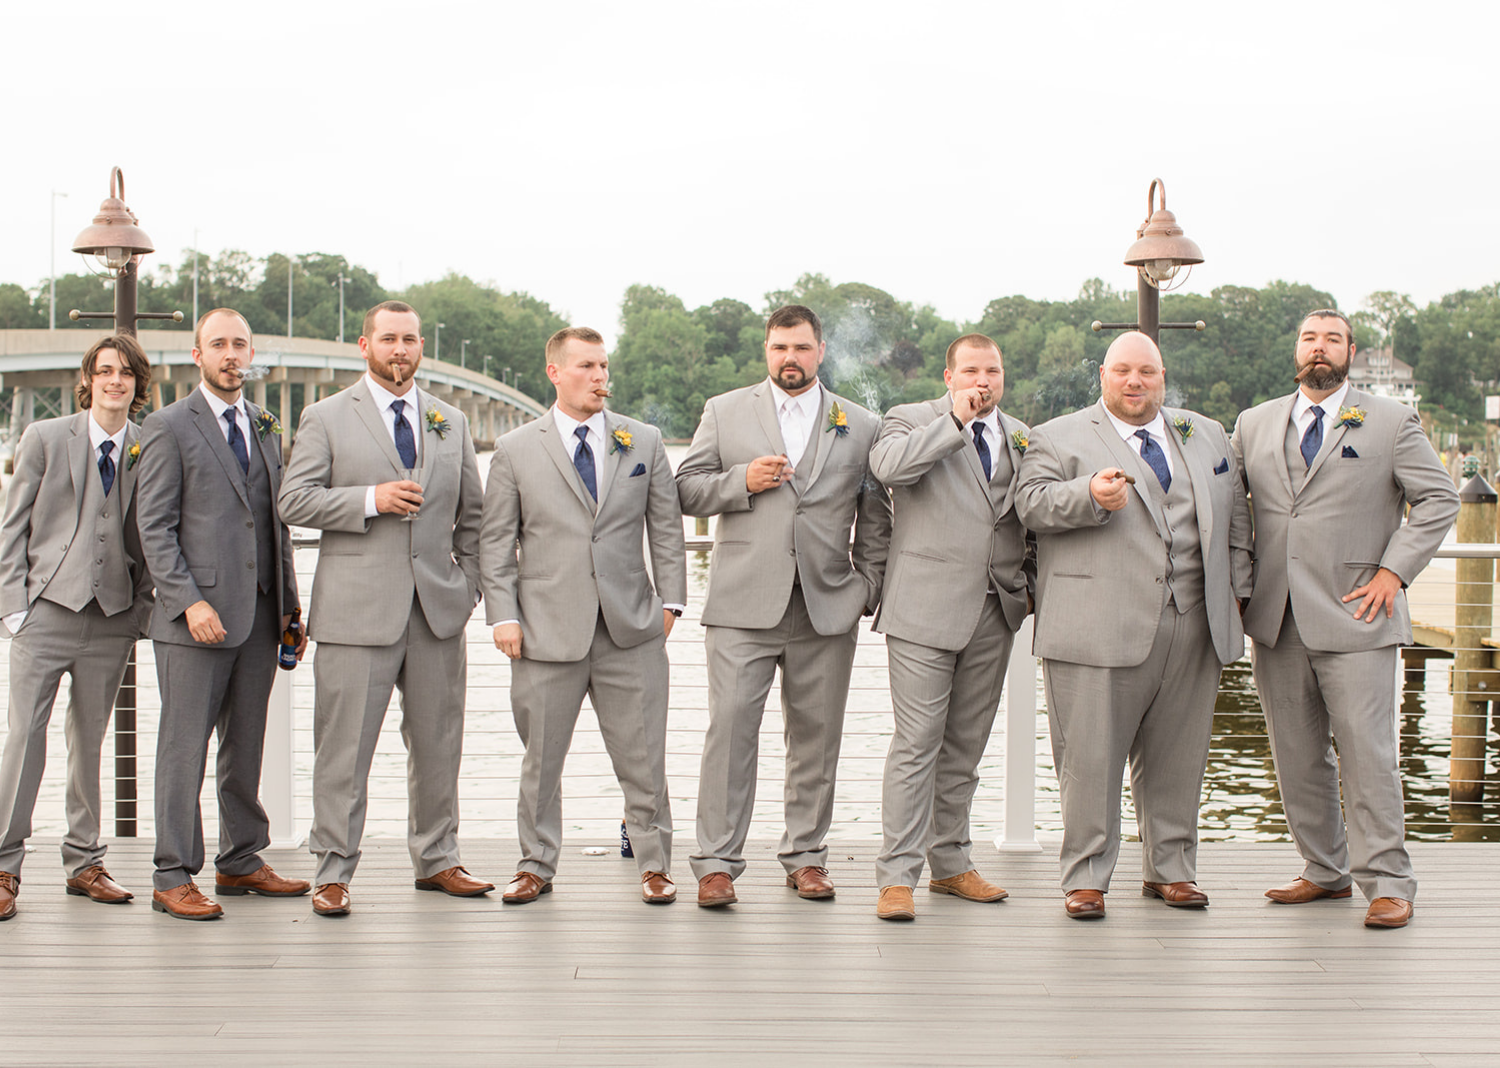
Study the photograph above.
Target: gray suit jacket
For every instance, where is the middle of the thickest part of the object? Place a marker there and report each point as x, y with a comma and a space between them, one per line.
370, 569
53, 462
196, 523
549, 559
1324, 535
1101, 576
956, 532
800, 528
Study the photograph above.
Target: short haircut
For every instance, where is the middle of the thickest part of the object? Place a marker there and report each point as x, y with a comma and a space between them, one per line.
135, 358
1330, 313
198, 326
399, 306
977, 340
794, 315
556, 342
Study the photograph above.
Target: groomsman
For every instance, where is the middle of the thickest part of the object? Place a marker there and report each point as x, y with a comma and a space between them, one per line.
1331, 471
390, 601
210, 466
785, 465
958, 586
75, 595
571, 498
1142, 544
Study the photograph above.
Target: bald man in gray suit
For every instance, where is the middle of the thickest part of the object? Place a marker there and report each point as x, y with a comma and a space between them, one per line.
785, 465
1142, 545
75, 594
958, 587
571, 499
1330, 471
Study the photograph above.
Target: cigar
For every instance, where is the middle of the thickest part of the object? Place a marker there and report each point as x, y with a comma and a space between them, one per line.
396, 370
603, 393
1129, 479
1297, 378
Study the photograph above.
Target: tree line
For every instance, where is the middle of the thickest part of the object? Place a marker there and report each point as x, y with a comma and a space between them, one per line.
668, 359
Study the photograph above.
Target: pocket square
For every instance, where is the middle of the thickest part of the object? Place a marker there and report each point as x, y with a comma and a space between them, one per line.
640, 469
1223, 468
1349, 453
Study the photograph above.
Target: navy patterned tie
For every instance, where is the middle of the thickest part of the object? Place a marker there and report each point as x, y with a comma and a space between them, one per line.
1155, 459
1312, 441
106, 465
406, 445
237, 440
583, 459
983, 447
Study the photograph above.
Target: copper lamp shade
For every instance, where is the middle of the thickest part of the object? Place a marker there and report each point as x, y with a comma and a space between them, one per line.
114, 237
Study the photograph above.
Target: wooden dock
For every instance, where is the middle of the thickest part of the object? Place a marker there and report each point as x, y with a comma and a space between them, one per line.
591, 976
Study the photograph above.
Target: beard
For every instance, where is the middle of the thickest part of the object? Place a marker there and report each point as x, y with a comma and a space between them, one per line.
1323, 377
791, 377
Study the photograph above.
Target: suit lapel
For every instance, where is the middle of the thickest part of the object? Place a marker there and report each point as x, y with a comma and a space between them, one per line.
1199, 475
1007, 493
1128, 459
1333, 439
272, 462
554, 446
126, 470
368, 411
1281, 419
764, 403
213, 437
609, 470
820, 439
79, 459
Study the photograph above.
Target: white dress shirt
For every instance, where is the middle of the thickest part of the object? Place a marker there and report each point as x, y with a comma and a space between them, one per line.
796, 416
1302, 409
241, 416
1157, 428
992, 438
385, 401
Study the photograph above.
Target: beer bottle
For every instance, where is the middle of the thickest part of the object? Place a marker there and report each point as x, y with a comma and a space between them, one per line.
290, 639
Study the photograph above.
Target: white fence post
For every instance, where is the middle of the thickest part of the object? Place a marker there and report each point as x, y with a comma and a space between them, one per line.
1020, 747
278, 787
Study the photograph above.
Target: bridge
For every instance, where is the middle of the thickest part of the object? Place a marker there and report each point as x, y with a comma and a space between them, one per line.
41, 366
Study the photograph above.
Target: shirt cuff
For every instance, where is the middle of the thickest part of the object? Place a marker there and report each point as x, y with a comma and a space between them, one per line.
14, 620
503, 622
678, 608
370, 509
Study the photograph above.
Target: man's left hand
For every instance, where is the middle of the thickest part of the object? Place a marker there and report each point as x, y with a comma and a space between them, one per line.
302, 640
1379, 592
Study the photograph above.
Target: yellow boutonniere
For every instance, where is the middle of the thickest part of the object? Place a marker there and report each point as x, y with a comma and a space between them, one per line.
132, 454
265, 423
437, 423
623, 440
1184, 427
1020, 441
838, 420
1350, 417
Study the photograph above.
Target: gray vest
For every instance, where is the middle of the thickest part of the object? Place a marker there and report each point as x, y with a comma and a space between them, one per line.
264, 510
1295, 465
1184, 545
95, 567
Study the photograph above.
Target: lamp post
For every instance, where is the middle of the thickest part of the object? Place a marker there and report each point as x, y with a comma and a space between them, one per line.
118, 243
52, 267
437, 342
341, 281
463, 352
1160, 252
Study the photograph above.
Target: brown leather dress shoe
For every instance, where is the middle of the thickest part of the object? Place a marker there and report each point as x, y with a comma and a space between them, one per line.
331, 899
263, 881
9, 883
971, 886
811, 882
455, 882
1178, 895
1299, 892
186, 902
1084, 904
1388, 912
715, 889
95, 884
896, 903
657, 888
525, 886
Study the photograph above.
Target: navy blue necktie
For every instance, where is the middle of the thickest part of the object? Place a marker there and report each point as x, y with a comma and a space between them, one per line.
583, 459
1312, 441
106, 465
237, 440
984, 449
406, 445
1155, 459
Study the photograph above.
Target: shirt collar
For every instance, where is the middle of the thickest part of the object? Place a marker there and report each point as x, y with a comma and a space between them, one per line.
1330, 404
98, 435
807, 402
1157, 428
385, 398
567, 426
219, 406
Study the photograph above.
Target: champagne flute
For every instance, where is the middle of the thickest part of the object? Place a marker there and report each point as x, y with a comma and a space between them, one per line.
411, 474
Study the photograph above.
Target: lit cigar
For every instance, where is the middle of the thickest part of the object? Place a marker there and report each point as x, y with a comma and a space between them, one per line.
603, 393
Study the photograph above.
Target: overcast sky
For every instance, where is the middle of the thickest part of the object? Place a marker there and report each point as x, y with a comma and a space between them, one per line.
949, 153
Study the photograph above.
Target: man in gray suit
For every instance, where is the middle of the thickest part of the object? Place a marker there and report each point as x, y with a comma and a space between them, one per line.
1331, 470
958, 586
569, 499
75, 595
390, 601
210, 465
785, 466
1142, 545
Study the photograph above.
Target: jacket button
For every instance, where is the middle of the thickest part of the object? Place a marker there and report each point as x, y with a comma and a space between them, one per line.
250, 564
250, 524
